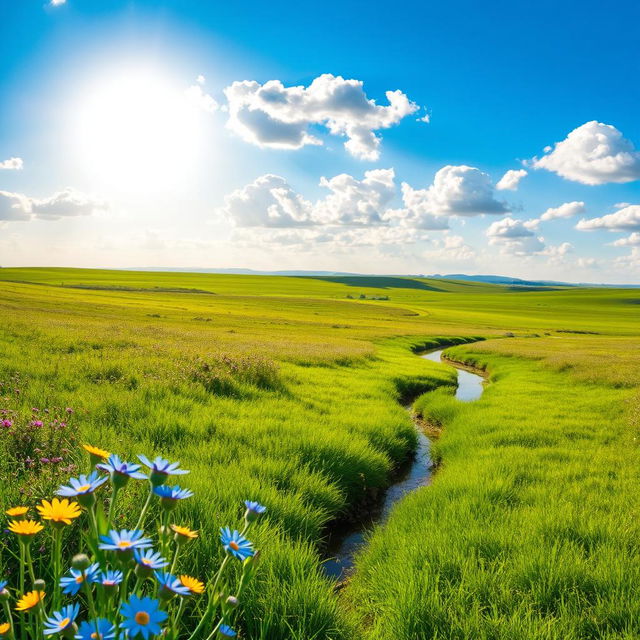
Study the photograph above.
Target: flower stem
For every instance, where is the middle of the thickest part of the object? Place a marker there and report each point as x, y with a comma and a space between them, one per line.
114, 495
143, 513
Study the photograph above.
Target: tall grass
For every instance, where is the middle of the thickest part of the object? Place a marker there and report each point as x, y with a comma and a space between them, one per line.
530, 529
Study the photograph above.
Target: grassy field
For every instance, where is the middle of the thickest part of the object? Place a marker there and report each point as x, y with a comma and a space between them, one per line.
285, 390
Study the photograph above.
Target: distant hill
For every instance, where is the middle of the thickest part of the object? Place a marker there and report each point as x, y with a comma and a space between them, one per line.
507, 280
488, 279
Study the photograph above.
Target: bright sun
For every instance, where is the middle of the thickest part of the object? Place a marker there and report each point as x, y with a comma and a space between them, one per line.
136, 130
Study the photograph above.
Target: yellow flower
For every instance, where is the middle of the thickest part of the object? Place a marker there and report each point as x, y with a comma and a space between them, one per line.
4, 628
30, 600
59, 511
193, 584
95, 451
17, 511
25, 527
184, 531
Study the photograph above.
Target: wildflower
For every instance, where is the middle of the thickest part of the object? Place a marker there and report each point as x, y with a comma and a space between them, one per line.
16, 512
148, 561
161, 469
225, 631
61, 620
142, 616
7, 424
121, 471
169, 496
3, 584
71, 584
5, 628
254, 510
235, 543
170, 585
193, 584
124, 540
25, 527
36, 423
96, 455
183, 534
30, 600
110, 578
101, 628
83, 487
59, 511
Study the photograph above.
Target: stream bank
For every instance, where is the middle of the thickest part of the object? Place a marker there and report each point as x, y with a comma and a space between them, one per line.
344, 544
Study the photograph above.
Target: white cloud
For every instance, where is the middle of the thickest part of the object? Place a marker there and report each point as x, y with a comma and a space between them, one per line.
12, 164
456, 191
630, 241
451, 249
566, 210
268, 201
356, 202
515, 237
68, 202
198, 98
272, 115
57, 3
626, 219
594, 153
510, 180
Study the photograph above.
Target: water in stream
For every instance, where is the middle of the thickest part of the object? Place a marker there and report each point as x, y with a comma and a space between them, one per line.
343, 548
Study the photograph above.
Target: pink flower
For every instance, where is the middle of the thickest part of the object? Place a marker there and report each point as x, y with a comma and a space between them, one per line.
7, 424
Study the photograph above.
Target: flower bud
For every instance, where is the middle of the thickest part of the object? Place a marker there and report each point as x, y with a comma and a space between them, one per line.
39, 585
80, 561
4, 595
232, 601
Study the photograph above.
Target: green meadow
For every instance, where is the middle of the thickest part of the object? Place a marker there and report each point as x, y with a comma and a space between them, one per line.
290, 391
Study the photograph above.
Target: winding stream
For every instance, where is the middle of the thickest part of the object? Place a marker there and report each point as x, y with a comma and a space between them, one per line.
343, 547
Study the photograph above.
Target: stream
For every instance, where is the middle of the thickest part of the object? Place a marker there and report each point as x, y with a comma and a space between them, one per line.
344, 545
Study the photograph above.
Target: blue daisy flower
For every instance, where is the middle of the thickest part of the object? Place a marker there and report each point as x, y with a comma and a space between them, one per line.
161, 469
72, 583
110, 578
225, 631
254, 510
61, 620
124, 540
149, 560
101, 628
236, 544
3, 584
169, 496
82, 485
142, 616
121, 471
170, 585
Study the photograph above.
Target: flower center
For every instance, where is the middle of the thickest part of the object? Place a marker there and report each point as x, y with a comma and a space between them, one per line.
80, 579
83, 488
124, 544
96, 636
234, 545
142, 617
146, 562
64, 623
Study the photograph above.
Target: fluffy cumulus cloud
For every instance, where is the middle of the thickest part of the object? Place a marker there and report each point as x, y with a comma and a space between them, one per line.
631, 241
566, 210
510, 180
196, 95
625, 219
356, 202
12, 164
268, 201
515, 237
68, 202
456, 191
272, 115
594, 153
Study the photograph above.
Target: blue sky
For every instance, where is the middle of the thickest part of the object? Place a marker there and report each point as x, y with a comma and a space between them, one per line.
120, 147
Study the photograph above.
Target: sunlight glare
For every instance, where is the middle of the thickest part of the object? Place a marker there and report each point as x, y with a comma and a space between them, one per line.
136, 130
